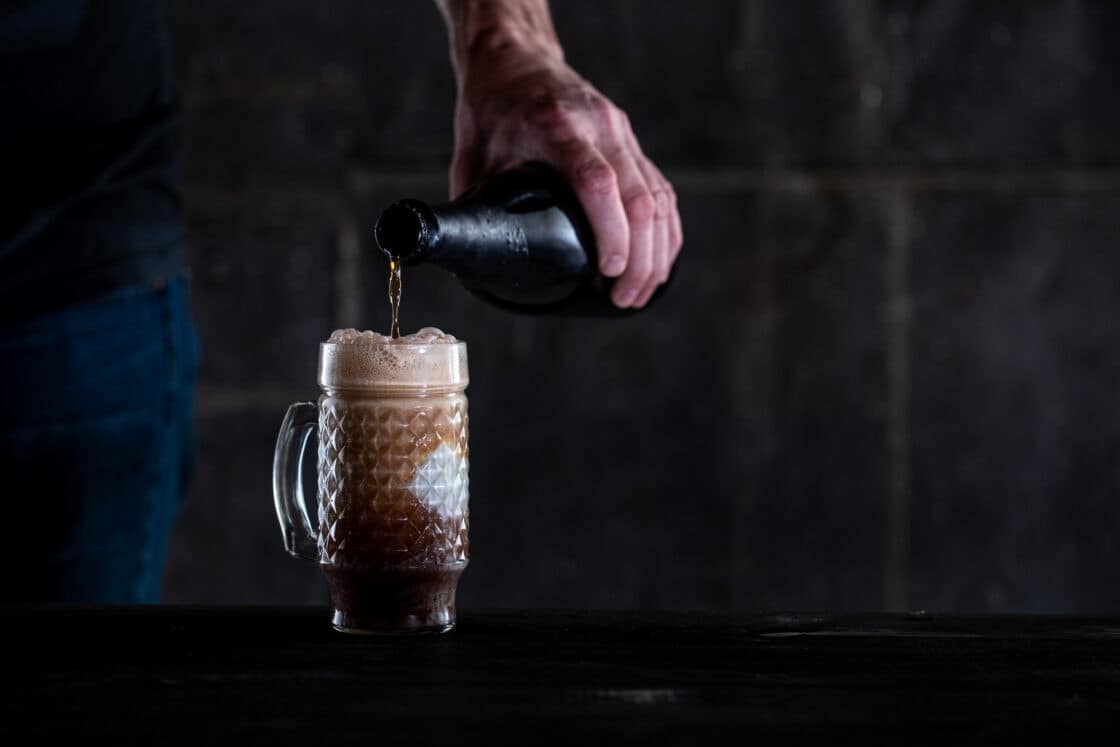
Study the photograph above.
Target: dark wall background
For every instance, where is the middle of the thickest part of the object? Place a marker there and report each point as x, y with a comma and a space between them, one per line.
887, 374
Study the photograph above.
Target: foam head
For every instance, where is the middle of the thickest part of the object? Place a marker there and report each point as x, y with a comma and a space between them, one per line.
426, 360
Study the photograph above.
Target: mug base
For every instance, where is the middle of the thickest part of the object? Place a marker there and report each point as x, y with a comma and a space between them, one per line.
393, 601
395, 632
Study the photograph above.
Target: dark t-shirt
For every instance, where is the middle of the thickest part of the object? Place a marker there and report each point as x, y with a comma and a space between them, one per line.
89, 146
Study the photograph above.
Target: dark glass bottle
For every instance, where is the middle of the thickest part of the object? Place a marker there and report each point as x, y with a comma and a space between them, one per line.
519, 240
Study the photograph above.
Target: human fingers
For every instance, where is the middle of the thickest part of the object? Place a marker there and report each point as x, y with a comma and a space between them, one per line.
662, 229
593, 179
640, 207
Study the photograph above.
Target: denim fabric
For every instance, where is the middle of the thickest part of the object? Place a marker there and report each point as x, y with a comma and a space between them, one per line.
96, 445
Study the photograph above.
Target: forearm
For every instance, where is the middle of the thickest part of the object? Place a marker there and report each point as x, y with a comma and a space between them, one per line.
483, 28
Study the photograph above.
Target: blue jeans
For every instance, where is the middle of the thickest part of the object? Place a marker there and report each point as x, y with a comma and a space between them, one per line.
96, 445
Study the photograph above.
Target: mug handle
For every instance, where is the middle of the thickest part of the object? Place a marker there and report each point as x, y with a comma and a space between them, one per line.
300, 424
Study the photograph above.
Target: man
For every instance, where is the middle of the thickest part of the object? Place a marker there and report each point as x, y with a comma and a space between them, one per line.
97, 350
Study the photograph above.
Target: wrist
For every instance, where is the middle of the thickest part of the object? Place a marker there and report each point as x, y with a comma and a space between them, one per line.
497, 35
507, 43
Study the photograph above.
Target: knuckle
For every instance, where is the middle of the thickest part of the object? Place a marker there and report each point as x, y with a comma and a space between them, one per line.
602, 108
671, 194
641, 207
552, 116
596, 176
608, 118
623, 120
662, 202
620, 127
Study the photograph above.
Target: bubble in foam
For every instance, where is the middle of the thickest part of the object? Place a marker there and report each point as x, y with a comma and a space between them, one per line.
365, 359
424, 336
352, 336
431, 335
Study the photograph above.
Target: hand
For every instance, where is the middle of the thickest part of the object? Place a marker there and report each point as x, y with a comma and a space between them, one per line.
521, 102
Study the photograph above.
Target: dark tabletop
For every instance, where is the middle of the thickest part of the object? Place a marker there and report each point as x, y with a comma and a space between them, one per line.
244, 674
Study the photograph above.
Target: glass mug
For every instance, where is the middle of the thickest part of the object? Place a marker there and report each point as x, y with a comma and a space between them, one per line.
392, 479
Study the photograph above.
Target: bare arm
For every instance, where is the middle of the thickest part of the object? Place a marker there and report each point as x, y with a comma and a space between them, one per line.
519, 101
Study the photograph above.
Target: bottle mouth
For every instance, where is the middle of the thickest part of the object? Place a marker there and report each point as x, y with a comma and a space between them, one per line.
402, 229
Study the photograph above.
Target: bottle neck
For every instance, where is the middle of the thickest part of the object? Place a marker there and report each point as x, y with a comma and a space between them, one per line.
464, 236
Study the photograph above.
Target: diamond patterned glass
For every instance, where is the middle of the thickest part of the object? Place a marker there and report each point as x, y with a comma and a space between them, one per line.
393, 481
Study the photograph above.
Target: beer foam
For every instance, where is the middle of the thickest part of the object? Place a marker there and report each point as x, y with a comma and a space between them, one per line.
427, 359
425, 336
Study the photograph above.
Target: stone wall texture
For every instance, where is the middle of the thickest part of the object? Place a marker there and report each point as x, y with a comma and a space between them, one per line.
886, 377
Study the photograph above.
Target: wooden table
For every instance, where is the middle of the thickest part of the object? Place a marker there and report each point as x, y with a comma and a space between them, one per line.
247, 674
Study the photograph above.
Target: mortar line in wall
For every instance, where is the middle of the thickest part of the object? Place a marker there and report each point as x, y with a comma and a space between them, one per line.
220, 401
898, 485
994, 180
979, 179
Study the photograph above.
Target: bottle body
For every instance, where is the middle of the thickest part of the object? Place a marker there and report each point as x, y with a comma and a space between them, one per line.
519, 240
